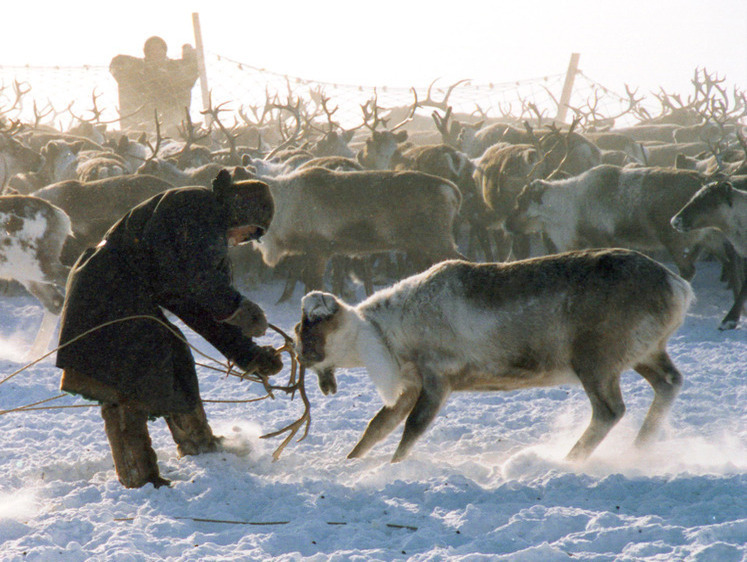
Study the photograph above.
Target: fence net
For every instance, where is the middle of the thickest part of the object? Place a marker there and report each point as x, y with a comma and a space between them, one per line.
61, 95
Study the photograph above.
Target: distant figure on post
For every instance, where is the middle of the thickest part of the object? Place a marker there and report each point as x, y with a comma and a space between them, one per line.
155, 82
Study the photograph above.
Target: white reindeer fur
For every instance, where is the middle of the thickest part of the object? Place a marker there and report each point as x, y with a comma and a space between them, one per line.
356, 343
19, 258
33, 233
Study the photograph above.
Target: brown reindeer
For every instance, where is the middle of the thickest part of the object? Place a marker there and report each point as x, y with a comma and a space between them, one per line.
320, 213
31, 239
93, 207
15, 156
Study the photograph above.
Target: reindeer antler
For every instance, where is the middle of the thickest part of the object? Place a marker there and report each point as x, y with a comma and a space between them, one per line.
292, 386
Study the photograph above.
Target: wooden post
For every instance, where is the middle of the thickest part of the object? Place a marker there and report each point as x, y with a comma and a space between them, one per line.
565, 97
201, 67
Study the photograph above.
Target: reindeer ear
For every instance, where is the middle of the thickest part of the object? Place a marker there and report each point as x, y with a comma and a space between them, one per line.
221, 184
319, 306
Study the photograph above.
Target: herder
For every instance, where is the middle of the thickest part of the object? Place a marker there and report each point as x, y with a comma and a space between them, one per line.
170, 252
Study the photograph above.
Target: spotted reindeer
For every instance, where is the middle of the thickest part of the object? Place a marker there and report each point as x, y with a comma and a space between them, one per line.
33, 233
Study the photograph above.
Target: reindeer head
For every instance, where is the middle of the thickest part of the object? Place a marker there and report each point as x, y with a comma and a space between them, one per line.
321, 341
333, 144
19, 157
707, 208
380, 149
60, 159
525, 217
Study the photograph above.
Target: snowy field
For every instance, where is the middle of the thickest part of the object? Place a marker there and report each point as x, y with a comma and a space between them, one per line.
486, 482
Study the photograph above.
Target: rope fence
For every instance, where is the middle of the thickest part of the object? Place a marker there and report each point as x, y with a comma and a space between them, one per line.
61, 94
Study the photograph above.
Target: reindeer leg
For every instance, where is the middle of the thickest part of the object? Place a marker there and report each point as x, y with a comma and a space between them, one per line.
313, 272
292, 266
288, 288
666, 381
366, 263
43, 336
602, 385
52, 299
385, 422
731, 319
429, 402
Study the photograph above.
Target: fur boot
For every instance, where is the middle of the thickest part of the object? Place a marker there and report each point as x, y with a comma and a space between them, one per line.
134, 458
192, 433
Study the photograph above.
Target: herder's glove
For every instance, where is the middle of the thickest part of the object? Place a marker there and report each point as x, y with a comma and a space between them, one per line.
266, 362
250, 318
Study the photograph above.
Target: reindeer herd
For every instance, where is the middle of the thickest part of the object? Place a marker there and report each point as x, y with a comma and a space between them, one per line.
405, 191
388, 200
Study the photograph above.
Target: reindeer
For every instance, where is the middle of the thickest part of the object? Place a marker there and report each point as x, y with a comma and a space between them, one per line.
320, 213
332, 142
719, 205
15, 156
500, 174
381, 149
445, 161
505, 168
580, 317
93, 207
618, 142
33, 234
171, 173
665, 155
64, 160
609, 206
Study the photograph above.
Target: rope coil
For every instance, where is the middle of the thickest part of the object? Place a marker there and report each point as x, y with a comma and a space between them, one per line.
296, 381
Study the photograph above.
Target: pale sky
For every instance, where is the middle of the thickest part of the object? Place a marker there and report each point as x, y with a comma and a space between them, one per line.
645, 43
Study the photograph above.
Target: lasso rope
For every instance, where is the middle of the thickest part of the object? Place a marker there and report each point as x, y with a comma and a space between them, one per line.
293, 383
104, 325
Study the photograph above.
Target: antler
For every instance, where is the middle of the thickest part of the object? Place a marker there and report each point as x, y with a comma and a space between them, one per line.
154, 149
370, 111
292, 386
564, 139
295, 111
95, 111
45, 112
188, 133
442, 124
329, 113
214, 113
410, 114
444, 103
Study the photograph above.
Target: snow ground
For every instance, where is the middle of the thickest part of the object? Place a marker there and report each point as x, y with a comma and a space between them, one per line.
486, 482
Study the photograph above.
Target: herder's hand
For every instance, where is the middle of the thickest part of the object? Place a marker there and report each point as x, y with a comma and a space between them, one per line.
266, 362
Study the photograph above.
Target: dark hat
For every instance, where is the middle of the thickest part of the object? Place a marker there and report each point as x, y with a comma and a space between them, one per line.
247, 202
